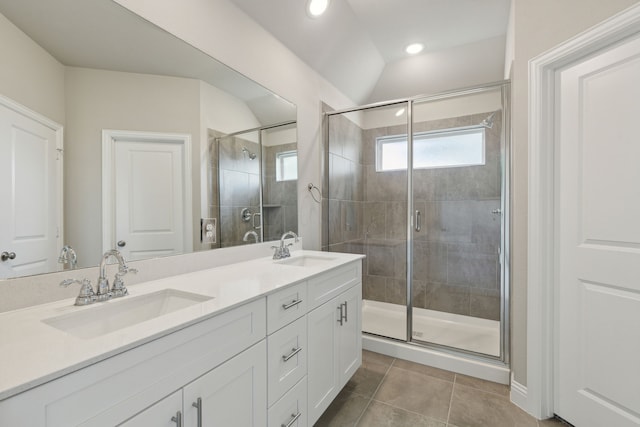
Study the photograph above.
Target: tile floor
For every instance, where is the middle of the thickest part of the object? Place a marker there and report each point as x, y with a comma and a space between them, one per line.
395, 393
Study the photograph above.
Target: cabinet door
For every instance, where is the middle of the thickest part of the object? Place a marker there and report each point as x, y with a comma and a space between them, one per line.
322, 358
233, 394
349, 334
160, 414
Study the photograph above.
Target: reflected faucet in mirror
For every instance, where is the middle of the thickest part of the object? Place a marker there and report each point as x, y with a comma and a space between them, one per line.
68, 256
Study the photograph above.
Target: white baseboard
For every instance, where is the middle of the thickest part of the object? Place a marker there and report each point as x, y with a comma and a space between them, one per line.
518, 395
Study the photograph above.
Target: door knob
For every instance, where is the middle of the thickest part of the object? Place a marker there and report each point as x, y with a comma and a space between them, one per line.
7, 255
122, 243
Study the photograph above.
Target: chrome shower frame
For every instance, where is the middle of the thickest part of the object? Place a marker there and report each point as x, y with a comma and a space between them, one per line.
505, 174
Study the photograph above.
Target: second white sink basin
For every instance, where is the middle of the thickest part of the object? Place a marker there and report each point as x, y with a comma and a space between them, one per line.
128, 311
306, 261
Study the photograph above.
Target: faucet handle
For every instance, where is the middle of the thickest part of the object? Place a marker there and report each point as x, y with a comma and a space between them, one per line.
123, 269
86, 295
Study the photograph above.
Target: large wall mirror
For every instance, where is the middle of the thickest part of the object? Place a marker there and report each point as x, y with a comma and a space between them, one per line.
116, 134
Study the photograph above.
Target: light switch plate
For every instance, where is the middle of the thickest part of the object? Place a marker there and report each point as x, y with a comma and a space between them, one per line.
208, 230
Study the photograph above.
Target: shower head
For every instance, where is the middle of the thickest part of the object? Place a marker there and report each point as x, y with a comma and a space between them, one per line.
252, 156
488, 122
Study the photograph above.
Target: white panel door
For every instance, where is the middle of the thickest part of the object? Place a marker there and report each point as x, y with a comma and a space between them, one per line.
598, 220
322, 362
149, 199
350, 334
233, 394
30, 192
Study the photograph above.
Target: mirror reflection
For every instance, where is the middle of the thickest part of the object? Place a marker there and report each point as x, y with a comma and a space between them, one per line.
130, 139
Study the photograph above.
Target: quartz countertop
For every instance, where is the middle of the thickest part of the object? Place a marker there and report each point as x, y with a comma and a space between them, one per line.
33, 352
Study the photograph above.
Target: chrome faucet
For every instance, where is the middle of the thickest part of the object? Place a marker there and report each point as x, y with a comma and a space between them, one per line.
250, 233
103, 292
68, 256
282, 251
88, 296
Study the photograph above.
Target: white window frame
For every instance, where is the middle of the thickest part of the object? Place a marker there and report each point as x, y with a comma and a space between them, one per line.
280, 156
380, 141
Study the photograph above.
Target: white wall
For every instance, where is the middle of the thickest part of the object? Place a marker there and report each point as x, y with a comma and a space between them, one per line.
539, 26
97, 100
29, 75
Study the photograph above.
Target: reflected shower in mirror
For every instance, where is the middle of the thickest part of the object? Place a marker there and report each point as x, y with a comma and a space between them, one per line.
84, 104
253, 184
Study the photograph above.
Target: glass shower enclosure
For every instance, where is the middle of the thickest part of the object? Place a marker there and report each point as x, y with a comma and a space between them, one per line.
419, 186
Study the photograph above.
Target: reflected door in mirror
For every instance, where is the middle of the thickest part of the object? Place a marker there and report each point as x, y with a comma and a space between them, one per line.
30, 191
151, 201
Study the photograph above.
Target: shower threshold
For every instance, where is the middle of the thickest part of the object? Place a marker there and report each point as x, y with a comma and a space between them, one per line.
452, 330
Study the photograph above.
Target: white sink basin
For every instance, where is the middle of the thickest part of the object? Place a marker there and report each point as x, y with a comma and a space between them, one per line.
306, 261
111, 316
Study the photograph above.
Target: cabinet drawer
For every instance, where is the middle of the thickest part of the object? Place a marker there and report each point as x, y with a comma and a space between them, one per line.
287, 358
285, 306
326, 286
291, 410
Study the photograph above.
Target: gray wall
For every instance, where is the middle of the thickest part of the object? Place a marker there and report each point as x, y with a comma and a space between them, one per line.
455, 255
280, 198
239, 179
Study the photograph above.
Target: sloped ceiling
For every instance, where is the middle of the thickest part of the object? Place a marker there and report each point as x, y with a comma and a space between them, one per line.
358, 45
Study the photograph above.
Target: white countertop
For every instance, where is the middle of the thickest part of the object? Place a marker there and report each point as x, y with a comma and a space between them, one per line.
33, 352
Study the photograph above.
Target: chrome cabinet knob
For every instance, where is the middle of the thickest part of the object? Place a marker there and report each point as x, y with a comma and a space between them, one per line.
122, 243
7, 256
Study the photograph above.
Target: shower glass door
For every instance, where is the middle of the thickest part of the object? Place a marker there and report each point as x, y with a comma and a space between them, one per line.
456, 236
367, 209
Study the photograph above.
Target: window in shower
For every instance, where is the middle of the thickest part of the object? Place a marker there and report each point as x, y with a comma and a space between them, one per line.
441, 149
287, 166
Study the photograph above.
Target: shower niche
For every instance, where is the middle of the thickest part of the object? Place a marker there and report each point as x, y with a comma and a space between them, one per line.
433, 233
252, 184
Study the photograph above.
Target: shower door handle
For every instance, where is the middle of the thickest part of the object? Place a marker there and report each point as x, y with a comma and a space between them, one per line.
418, 221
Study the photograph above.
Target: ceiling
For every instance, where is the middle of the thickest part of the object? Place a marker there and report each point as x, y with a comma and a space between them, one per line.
358, 45
136, 47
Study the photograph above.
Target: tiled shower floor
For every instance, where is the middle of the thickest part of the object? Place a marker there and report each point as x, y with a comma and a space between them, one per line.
395, 393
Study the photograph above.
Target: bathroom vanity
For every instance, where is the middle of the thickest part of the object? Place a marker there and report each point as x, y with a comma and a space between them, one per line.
256, 343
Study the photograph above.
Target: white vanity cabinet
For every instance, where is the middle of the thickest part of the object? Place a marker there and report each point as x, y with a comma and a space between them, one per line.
313, 356
276, 360
119, 388
335, 348
234, 393
335, 338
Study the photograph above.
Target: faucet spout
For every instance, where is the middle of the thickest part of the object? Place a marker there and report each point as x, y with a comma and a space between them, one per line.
284, 249
103, 292
251, 233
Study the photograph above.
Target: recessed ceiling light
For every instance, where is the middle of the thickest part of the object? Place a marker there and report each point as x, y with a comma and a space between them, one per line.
316, 8
414, 48
400, 112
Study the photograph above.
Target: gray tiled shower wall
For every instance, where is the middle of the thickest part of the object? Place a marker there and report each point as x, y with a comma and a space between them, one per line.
455, 266
239, 188
238, 178
280, 198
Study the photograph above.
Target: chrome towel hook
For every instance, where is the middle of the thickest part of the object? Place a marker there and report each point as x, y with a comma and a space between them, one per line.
312, 187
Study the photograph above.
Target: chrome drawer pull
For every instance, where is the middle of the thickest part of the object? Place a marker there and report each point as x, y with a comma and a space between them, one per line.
293, 420
341, 318
291, 304
198, 405
346, 310
177, 419
294, 351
